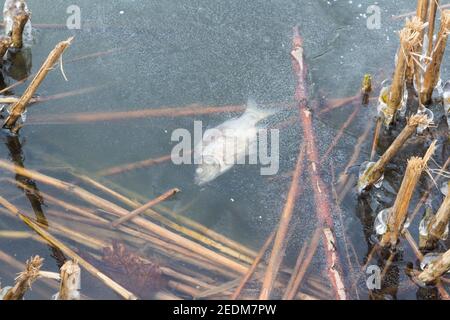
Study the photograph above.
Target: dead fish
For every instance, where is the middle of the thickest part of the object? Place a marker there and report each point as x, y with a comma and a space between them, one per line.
228, 144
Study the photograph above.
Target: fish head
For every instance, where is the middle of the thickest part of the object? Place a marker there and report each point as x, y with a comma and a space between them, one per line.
207, 171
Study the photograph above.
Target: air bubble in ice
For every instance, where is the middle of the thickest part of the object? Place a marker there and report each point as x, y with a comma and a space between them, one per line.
446, 99
381, 221
424, 223
444, 188
362, 181
428, 259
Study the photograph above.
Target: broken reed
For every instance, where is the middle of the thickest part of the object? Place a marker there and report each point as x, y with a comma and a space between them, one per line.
436, 269
25, 279
374, 173
431, 22
19, 22
398, 213
5, 43
417, 24
438, 225
409, 39
20, 106
70, 281
432, 73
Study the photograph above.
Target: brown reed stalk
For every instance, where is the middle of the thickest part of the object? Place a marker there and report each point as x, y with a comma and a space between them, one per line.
69, 252
116, 210
300, 271
145, 207
436, 269
133, 166
432, 74
5, 43
70, 281
25, 279
409, 39
323, 205
438, 224
399, 211
199, 232
374, 173
431, 25
277, 254
444, 294
19, 22
20, 106
253, 267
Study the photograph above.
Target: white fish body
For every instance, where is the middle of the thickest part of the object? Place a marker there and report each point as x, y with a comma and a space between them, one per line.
228, 144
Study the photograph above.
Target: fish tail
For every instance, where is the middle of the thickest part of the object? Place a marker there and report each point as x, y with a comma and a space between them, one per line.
257, 113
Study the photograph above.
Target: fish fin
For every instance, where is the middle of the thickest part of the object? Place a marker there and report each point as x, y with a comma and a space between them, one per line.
257, 113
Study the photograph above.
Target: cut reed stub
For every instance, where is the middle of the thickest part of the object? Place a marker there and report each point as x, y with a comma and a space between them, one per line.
397, 216
25, 279
435, 269
366, 89
435, 228
18, 108
20, 21
432, 73
372, 174
5, 43
410, 38
70, 282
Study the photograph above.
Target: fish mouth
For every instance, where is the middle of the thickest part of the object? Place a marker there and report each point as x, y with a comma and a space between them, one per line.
206, 173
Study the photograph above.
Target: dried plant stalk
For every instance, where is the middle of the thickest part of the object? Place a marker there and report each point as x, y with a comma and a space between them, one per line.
399, 211
5, 43
20, 106
70, 281
145, 207
409, 39
20, 20
25, 279
431, 22
376, 171
277, 254
436, 269
432, 74
119, 211
439, 224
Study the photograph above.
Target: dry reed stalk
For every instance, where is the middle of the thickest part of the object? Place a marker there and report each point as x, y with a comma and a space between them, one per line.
145, 207
375, 172
344, 176
444, 294
199, 232
425, 196
277, 254
376, 138
301, 268
366, 89
323, 206
69, 252
439, 224
19, 107
18, 265
25, 279
119, 211
409, 40
298, 264
411, 13
436, 269
399, 211
70, 281
253, 267
5, 43
19, 22
333, 104
140, 200
422, 10
431, 25
134, 166
340, 133
432, 74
